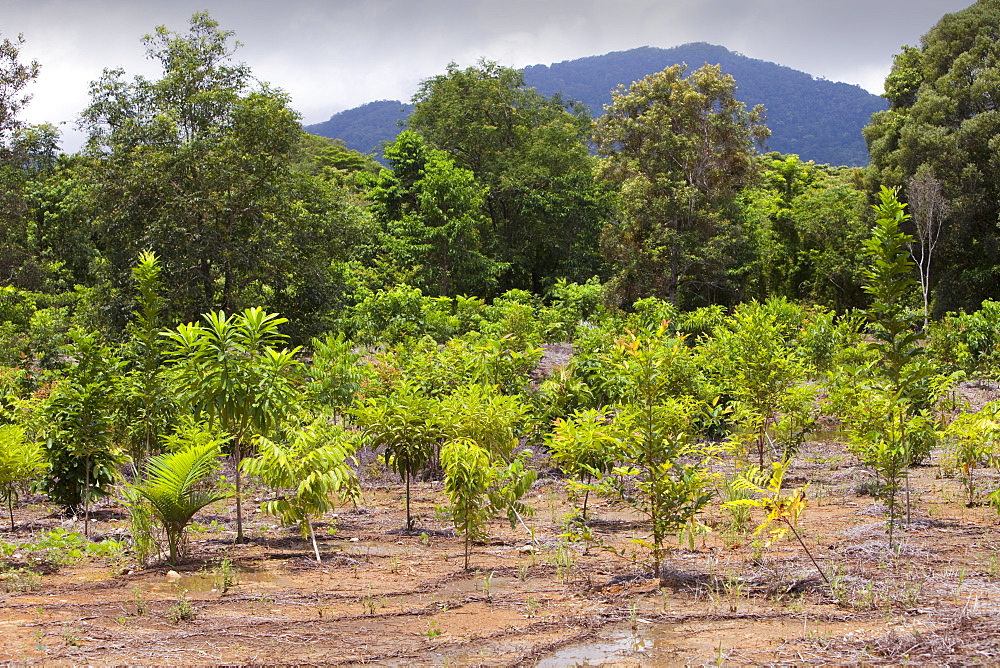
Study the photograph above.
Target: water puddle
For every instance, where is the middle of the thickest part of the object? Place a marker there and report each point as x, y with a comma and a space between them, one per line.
830, 435
207, 581
616, 644
693, 643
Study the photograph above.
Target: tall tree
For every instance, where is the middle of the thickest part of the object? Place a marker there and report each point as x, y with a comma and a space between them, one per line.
197, 166
929, 210
943, 118
530, 151
804, 226
431, 213
680, 148
24, 151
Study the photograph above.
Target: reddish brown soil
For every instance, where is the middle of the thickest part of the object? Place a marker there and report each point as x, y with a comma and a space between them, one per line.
385, 598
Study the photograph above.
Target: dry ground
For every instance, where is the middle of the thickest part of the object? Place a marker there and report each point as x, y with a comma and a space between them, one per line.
383, 597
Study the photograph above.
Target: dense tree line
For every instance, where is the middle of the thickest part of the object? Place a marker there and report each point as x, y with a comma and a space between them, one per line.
494, 187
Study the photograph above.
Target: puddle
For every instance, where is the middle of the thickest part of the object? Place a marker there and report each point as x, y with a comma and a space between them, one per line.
203, 581
687, 642
832, 435
363, 550
618, 644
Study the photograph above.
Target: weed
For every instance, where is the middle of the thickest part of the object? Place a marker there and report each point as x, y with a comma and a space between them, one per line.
139, 605
226, 576
70, 638
563, 556
531, 607
19, 580
369, 602
487, 581
425, 540
394, 565
735, 589
576, 530
993, 568
65, 547
181, 611
442, 513
522, 572
838, 587
870, 487
433, 631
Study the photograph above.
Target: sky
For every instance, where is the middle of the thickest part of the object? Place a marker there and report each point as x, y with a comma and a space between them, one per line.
331, 55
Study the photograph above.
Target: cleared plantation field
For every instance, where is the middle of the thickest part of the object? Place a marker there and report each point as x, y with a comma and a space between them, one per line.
389, 597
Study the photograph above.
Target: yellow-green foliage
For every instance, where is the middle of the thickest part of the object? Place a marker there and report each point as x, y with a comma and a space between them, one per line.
468, 474
20, 461
308, 469
972, 440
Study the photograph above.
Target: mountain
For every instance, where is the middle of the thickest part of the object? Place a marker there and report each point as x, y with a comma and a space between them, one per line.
817, 119
364, 128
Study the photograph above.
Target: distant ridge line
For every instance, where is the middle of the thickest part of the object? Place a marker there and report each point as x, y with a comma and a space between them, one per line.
815, 118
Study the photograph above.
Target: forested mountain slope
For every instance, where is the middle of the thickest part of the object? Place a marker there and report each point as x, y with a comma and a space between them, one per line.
817, 119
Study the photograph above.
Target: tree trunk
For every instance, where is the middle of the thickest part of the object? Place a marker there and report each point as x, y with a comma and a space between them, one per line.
86, 496
312, 534
207, 284
409, 520
238, 454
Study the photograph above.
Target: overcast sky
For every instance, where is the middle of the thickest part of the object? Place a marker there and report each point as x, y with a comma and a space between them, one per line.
331, 55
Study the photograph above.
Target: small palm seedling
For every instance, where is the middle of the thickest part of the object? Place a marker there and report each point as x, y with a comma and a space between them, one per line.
310, 467
174, 485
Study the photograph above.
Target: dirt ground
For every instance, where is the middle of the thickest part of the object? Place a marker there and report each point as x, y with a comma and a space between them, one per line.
388, 598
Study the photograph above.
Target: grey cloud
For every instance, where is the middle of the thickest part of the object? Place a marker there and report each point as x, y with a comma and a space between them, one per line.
335, 54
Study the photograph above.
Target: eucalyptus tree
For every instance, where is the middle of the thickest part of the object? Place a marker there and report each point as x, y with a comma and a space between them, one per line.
231, 371
679, 149
929, 209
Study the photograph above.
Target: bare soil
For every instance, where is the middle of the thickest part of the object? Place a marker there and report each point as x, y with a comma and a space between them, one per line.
386, 597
